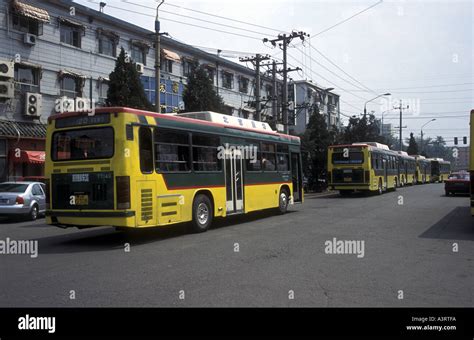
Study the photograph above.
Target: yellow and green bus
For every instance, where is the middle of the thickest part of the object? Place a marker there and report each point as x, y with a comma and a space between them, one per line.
440, 170
371, 167
471, 160
423, 170
129, 168
407, 169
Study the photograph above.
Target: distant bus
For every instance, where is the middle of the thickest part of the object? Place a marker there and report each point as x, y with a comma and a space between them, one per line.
471, 161
128, 168
423, 170
371, 167
407, 169
440, 170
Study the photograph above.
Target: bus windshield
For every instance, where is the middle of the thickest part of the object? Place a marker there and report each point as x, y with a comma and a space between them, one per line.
80, 144
354, 157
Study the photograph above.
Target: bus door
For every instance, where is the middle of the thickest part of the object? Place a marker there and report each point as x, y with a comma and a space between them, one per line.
234, 181
296, 177
385, 172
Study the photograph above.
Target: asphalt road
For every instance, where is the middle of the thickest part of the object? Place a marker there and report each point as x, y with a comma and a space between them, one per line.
408, 248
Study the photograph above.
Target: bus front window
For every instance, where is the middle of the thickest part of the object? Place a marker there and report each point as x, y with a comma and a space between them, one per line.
81, 144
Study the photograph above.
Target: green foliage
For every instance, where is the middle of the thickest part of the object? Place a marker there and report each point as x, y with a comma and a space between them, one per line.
412, 145
315, 142
200, 94
125, 87
362, 129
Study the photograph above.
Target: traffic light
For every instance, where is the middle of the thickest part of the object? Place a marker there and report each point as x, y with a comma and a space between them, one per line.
455, 140
464, 140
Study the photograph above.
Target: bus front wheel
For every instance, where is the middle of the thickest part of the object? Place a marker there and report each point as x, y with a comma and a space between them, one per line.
380, 188
202, 214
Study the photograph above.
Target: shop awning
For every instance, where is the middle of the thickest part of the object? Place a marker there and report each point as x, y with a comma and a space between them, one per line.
170, 55
31, 11
73, 74
31, 157
73, 23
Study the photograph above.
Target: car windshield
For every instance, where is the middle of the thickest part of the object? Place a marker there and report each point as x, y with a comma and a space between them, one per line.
13, 187
459, 176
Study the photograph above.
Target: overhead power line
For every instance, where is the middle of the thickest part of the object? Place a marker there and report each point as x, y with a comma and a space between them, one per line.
345, 20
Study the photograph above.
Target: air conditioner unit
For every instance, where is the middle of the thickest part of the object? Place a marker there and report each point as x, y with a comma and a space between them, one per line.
7, 89
140, 68
33, 104
29, 39
7, 69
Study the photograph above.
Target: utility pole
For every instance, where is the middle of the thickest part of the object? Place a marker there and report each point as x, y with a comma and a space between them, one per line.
285, 41
256, 62
274, 92
157, 59
401, 108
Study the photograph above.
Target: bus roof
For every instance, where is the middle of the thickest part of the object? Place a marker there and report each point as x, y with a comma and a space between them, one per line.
171, 117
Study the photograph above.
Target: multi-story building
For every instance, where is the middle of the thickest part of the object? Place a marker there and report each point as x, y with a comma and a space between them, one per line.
308, 96
461, 162
56, 55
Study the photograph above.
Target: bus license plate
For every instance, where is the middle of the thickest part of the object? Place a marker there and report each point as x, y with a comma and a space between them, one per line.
82, 199
347, 179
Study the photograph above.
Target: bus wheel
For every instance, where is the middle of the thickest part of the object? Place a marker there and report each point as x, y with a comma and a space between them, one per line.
395, 185
283, 201
202, 214
380, 188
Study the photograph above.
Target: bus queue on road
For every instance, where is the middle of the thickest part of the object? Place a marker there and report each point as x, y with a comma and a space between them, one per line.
373, 167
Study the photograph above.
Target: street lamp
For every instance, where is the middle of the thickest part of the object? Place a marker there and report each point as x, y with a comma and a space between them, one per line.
382, 120
380, 95
432, 120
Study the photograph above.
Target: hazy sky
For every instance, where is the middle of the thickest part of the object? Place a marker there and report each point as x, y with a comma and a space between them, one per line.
420, 51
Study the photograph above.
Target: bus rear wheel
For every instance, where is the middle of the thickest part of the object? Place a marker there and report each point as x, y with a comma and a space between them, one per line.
283, 201
380, 188
202, 214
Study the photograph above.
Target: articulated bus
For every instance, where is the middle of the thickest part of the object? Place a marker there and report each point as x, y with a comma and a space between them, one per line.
128, 168
440, 170
423, 170
471, 161
362, 167
407, 169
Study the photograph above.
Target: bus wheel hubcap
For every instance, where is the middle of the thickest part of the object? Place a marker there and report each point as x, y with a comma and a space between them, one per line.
202, 213
283, 200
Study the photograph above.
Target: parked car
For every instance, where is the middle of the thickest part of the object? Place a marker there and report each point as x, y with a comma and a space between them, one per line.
22, 199
457, 182
40, 179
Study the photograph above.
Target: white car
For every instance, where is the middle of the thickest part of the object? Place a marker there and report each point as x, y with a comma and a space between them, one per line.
22, 199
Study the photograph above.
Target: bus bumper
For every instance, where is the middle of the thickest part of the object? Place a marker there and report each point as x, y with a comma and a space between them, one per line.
350, 186
87, 219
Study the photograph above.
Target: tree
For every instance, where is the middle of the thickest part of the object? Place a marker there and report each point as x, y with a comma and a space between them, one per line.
200, 94
412, 145
362, 129
125, 87
315, 142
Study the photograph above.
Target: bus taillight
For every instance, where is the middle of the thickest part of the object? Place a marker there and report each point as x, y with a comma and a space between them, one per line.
123, 192
46, 192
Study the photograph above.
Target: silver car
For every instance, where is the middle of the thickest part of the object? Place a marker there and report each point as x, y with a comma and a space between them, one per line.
22, 199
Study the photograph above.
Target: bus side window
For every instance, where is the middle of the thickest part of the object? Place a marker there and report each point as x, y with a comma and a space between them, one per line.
146, 150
